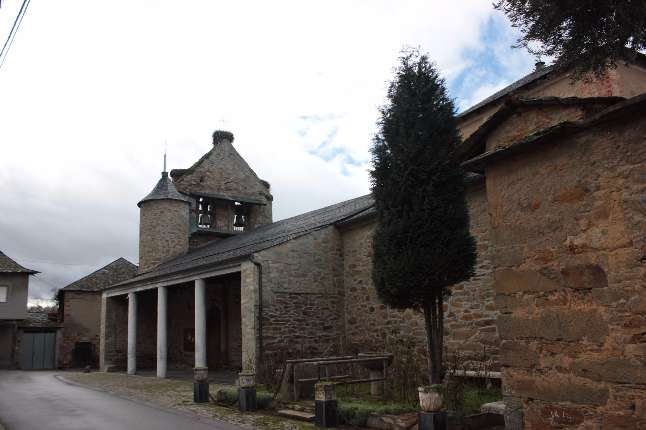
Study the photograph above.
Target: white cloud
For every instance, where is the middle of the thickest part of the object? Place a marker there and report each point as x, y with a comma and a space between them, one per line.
91, 91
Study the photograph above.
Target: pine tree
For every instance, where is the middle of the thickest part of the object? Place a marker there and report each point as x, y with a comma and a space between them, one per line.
422, 244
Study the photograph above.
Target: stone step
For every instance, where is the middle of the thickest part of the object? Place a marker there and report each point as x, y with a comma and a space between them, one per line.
296, 415
493, 408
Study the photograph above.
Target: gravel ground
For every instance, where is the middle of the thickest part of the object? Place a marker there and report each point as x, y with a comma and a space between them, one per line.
178, 394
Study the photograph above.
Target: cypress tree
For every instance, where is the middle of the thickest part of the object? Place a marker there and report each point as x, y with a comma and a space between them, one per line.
587, 35
422, 244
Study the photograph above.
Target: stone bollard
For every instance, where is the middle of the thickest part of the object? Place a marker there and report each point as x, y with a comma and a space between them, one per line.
201, 385
247, 391
513, 413
432, 420
431, 416
325, 405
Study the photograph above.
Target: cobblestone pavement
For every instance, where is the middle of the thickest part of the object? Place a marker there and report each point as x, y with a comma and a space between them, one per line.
177, 395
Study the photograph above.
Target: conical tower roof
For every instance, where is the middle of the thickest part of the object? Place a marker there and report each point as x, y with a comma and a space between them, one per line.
164, 190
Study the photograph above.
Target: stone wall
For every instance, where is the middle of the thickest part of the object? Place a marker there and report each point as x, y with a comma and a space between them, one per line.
223, 323
81, 323
470, 311
114, 333
528, 119
147, 329
569, 249
223, 171
163, 232
181, 318
302, 295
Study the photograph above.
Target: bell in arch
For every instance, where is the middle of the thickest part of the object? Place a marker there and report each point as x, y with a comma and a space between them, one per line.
206, 220
239, 221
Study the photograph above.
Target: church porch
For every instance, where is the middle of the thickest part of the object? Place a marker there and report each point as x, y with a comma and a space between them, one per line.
167, 330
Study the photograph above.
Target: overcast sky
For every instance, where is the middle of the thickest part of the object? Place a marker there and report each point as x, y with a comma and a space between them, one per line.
91, 90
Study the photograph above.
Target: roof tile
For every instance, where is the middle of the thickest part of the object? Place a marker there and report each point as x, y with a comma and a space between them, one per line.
7, 265
115, 272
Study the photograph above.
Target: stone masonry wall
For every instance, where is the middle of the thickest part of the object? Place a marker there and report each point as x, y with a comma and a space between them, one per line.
470, 311
302, 295
163, 232
146, 329
224, 171
568, 228
114, 332
82, 318
527, 120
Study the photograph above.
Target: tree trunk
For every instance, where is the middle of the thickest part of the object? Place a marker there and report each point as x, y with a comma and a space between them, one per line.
433, 318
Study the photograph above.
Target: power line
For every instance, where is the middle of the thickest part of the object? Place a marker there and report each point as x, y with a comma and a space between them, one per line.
14, 29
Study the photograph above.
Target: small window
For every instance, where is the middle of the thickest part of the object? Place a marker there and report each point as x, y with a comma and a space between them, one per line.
4, 292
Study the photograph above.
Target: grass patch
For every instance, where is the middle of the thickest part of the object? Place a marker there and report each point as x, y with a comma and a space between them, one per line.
355, 412
355, 403
229, 396
475, 397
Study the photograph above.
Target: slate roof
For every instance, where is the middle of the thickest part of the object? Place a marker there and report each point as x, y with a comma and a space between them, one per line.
617, 111
475, 143
7, 265
525, 80
630, 57
164, 190
118, 271
267, 236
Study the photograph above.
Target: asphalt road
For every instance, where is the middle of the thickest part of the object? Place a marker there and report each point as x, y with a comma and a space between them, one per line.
38, 400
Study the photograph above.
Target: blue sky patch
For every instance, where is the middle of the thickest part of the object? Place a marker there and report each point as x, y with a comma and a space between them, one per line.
493, 65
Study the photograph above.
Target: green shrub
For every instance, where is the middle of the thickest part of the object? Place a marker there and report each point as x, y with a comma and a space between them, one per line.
264, 400
475, 397
356, 413
229, 396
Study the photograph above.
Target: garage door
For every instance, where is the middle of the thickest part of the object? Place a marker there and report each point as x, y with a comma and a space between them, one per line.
37, 350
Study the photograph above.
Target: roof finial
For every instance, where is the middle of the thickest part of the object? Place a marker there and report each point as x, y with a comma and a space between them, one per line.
165, 147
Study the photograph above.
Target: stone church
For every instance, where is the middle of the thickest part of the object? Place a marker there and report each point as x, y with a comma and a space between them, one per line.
557, 196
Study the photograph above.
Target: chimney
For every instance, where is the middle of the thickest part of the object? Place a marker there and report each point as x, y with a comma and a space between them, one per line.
539, 65
222, 135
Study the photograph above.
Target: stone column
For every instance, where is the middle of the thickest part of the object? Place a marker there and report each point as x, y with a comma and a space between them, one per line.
162, 294
200, 324
102, 333
249, 300
132, 333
